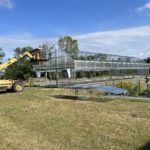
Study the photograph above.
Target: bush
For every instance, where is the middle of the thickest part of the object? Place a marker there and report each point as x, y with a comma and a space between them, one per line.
79, 74
125, 85
88, 74
137, 89
133, 89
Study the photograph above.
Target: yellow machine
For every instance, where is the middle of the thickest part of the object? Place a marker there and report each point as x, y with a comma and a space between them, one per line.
16, 86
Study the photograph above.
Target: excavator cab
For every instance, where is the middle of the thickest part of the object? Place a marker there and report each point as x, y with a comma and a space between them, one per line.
38, 54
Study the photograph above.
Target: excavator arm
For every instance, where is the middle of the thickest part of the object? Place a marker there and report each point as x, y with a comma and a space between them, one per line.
5, 65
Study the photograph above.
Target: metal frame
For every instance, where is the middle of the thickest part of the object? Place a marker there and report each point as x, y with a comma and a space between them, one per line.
89, 61
82, 55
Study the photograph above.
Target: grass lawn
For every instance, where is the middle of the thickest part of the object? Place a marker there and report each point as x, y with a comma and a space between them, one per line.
39, 119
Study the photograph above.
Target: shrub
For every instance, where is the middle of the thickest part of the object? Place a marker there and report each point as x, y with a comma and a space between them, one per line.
137, 89
125, 85
133, 89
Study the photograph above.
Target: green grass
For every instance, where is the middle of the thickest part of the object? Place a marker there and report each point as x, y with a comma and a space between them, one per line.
39, 119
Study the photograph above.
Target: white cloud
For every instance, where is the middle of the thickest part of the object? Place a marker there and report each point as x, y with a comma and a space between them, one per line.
6, 4
9, 42
131, 42
144, 9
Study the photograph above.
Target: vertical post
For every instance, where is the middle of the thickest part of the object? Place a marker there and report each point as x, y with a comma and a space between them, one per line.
46, 77
142, 73
83, 74
94, 74
113, 82
91, 93
74, 74
56, 68
134, 74
121, 84
50, 63
147, 87
139, 86
76, 93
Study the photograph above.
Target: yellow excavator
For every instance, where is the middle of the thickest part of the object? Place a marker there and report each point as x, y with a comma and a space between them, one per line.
16, 86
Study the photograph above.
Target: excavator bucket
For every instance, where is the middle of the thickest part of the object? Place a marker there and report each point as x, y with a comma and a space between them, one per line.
38, 54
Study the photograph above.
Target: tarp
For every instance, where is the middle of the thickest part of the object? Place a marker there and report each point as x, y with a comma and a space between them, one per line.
108, 89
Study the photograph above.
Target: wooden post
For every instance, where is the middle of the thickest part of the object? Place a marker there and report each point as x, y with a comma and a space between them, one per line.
139, 86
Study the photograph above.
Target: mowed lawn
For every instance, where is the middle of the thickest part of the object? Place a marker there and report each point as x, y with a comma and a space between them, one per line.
39, 119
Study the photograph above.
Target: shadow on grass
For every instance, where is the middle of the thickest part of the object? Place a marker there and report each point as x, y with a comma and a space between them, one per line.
6, 92
145, 147
79, 98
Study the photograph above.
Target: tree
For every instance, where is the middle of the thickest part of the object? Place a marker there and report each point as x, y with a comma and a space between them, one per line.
46, 46
22, 69
147, 60
69, 45
19, 50
2, 54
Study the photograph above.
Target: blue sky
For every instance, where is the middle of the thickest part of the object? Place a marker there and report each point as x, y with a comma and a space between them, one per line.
108, 26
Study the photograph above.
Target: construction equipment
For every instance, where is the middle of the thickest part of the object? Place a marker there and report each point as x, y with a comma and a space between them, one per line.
16, 86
